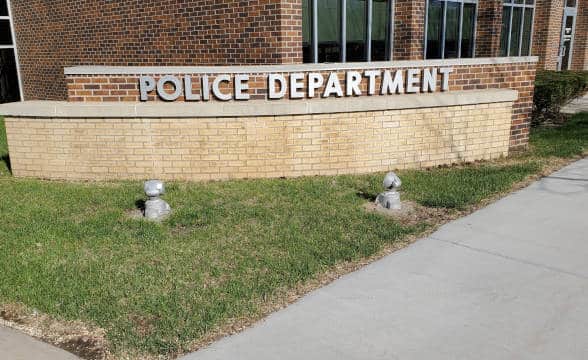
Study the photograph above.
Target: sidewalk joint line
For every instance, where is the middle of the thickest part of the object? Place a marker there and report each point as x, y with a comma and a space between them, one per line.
515, 259
564, 178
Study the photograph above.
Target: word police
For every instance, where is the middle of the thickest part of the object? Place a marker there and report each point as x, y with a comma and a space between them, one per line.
298, 85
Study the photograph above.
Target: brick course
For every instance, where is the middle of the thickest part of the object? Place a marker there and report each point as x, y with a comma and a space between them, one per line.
409, 29
580, 50
489, 28
519, 76
269, 146
547, 32
53, 35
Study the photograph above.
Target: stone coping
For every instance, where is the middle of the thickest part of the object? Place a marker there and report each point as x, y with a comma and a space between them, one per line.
256, 69
252, 108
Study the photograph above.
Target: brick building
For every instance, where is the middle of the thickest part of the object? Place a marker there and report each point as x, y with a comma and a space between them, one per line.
70, 53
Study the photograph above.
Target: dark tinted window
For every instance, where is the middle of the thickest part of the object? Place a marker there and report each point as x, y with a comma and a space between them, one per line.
8, 77
5, 33
450, 29
380, 29
434, 29
345, 34
329, 30
467, 36
356, 30
3, 8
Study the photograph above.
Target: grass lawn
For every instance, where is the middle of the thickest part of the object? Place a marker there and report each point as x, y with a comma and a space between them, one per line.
231, 251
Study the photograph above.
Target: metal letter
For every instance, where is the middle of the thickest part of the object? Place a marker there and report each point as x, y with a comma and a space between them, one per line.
205, 88
241, 87
372, 75
333, 86
429, 80
296, 86
390, 86
188, 95
412, 81
315, 81
216, 87
146, 85
161, 88
445, 72
271, 86
352, 82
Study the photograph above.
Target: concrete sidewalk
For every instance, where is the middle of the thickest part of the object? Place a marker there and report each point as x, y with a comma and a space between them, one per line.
15, 345
576, 106
508, 282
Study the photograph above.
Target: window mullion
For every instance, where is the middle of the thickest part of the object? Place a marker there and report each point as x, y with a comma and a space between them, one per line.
443, 29
522, 30
315, 31
509, 31
368, 45
15, 51
460, 30
532, 29
343, 30
390, 31
426, 29
475, 30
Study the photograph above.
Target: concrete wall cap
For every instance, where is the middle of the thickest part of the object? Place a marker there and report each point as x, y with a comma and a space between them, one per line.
261, 69
63, 109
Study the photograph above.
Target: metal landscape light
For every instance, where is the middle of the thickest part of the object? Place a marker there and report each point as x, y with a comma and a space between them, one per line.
156, 209
390, 199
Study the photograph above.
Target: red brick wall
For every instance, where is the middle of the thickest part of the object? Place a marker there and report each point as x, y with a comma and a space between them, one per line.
580, 50
291, 31
489, 28
518, 76
547, 32
409, 29
55, 34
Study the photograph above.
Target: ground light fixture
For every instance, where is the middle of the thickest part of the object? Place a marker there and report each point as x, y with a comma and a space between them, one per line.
390, 199
156, 209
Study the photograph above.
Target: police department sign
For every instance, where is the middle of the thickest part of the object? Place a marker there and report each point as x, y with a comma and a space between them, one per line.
225, 87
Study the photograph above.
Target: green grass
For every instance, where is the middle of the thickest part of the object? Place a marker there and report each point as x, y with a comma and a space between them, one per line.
229, 249
569, 140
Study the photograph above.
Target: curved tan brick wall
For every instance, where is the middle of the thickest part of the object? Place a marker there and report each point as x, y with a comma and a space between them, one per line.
265, 146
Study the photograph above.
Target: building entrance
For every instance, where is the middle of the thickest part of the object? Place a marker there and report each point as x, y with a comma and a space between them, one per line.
567, 35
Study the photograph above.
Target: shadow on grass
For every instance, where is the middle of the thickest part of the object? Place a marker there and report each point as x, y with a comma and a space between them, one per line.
367, 195
6, 160
140, 205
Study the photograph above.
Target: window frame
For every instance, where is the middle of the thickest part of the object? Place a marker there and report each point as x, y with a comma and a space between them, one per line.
13, 47
444, 27
313, 7
512, 5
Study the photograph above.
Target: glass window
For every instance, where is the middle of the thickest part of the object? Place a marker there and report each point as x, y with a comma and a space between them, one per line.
434, 29
3, 8
329, 30
356, 30
450, 29
306, 31
9, 86
346, 30
468, 30
5, 33
517, 27
380, 30
9, 76
527, 29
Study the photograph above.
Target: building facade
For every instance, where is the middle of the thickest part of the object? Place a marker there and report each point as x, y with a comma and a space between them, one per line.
329, 78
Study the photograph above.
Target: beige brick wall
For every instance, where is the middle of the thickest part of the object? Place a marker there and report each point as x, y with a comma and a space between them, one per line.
271, 146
